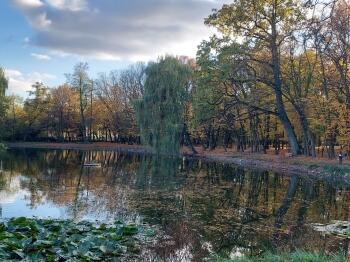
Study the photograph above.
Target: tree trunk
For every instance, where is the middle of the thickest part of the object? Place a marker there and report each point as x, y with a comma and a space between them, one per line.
187, 138
310, 146
282, 114
82, 117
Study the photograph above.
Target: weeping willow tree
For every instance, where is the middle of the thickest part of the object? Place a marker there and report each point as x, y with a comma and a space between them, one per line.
3, 87
3, 104
160, 112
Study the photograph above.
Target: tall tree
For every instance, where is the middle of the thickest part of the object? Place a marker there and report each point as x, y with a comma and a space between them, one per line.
64, 110
3, 87
337, 43
227, 96
265, 25
14, 125
81, 82
299, 84
36, 108
160, 112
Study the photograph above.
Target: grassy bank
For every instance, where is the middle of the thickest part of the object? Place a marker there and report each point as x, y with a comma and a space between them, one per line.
298, 256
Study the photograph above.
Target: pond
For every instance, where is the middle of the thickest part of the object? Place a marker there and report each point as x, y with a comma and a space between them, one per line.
202, 208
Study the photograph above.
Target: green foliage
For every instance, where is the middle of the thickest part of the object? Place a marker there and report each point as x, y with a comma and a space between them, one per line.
63, 240
337, 169
207, 83
3, 100
160, 112
254, 19
3, 82
215, 95
36, 107
3, 149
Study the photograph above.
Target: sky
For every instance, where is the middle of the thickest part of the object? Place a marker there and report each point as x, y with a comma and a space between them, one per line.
41, 40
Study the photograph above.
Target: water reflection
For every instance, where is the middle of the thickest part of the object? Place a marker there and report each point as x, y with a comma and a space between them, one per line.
201, 207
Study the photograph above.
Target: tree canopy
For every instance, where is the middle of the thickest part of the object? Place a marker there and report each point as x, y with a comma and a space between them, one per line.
3, 87
160, 112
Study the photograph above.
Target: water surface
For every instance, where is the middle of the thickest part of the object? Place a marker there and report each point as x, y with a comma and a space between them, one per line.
201, 208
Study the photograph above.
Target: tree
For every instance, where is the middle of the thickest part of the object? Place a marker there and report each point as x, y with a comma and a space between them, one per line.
14, 118
228, 97
3, 88
64, 110
336, 37
264, 25
36, 109
117, 91
330, 31
299, 83
81, 82
160, 111
132, 80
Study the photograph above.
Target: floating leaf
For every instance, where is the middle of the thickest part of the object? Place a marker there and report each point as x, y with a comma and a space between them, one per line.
19, 221
24, 239
130, 230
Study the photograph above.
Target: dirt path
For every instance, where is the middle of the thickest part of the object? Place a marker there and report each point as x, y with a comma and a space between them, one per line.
307, 167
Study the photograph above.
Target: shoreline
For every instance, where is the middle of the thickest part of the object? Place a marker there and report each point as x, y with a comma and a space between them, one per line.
312, 168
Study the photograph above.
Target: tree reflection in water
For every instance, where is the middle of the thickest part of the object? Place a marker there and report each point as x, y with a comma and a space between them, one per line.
200, 207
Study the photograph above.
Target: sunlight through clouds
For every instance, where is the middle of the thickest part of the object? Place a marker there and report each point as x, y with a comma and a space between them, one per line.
28, 3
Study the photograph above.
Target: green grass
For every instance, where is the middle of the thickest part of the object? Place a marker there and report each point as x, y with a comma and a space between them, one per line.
298, 256
337, 169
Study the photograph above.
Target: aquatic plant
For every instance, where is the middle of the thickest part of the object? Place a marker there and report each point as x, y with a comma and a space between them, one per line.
64, 240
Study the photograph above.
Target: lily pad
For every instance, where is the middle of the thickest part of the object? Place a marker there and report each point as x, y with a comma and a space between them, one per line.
25, 239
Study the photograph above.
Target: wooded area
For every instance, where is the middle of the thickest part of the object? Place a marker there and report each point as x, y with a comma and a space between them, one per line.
276, 75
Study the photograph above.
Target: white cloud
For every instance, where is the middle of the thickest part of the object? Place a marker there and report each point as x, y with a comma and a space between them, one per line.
58, 53
40, 56
20, 84
71, 5
112, 30
29, 3
12, 73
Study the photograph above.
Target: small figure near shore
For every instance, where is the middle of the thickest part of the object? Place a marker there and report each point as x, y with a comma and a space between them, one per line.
340, 156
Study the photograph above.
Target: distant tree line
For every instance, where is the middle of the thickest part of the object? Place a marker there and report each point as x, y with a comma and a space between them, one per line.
276, 77
82, 109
